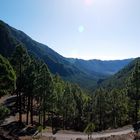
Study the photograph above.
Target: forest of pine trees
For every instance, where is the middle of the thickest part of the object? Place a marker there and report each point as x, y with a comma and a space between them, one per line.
63, 105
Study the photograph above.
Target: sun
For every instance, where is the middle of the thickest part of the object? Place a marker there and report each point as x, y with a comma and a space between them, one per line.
88, 2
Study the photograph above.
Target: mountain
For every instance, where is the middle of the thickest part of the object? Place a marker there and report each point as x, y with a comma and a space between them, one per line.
108, 67
85, 73
10, 37
120, 79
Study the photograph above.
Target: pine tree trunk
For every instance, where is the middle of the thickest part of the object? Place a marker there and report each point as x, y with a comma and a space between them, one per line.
31, 109
17, 101
20, 108
44, 118
39, 119
63, 122
39, 111
66, 119
100, 119
28, 109
20, 103
52, 122
136, 111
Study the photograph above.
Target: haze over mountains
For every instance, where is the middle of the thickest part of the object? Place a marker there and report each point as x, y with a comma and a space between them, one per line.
75, 70
105, 67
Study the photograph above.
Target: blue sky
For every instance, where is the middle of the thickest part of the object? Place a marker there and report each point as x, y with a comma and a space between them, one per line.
88, 29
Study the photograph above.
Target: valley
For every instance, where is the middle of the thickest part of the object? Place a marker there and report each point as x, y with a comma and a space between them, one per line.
44, 90
75, 70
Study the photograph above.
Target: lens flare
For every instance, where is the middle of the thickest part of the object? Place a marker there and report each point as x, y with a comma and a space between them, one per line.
81, 28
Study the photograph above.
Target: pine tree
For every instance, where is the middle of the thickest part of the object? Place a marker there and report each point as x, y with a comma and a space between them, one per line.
46, 92
29, 86
20, 61
7, 77
134, 88
89, 130
100, 108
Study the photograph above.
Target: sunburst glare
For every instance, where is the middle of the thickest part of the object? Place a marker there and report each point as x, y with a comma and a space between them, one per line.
81, 28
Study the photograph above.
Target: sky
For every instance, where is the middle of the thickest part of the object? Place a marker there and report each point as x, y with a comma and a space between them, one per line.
87, 29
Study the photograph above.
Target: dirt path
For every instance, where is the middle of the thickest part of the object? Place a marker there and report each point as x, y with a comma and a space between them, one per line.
4, 98
74, 135
11, 118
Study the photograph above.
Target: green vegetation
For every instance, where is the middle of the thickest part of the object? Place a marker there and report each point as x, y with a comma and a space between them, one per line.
4, 112
50, 97
119, 80
7, 84
134, 89
7, 76
109, 109
41, 92
64, 105
89, 130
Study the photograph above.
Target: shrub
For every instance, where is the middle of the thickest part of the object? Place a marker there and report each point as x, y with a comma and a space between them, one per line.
3, 113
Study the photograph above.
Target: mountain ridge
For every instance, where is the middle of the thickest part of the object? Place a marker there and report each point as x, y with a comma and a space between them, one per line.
80, 72
110, 66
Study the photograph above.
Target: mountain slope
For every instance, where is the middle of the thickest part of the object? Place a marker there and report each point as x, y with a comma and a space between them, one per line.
85, 73
108, 67
119, 80
10, 37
